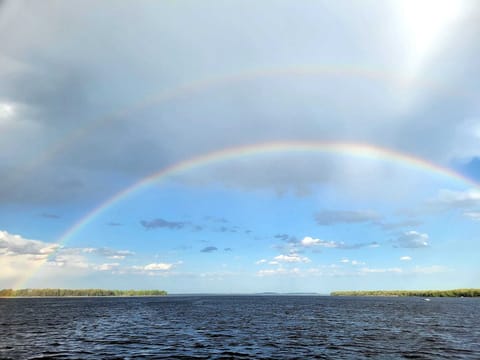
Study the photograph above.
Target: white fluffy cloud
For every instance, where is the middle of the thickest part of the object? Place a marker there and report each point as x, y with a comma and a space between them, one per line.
309, 241
158, 267
352, 262
20, 258
405, 258
291, 258
107, 266
334, 270
108, 253
12, 245
279, 271
367, 270
432, 269
452, 199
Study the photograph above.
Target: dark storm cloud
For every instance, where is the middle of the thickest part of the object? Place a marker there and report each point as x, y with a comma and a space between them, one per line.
81, 87
209, 249
162, 223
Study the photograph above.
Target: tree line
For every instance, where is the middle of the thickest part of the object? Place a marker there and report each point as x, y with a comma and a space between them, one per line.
422, 293
78, 292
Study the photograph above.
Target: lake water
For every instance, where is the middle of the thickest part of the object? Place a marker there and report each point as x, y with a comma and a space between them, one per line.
242, 327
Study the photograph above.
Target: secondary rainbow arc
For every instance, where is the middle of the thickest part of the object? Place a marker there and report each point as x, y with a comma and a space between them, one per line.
198, 86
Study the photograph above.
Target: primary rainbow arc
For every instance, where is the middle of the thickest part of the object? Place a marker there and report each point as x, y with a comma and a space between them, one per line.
344, 148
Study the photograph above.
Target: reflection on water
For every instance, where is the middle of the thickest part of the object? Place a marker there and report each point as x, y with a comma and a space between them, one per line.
240, 327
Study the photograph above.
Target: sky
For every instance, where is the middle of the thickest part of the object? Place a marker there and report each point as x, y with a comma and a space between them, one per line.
240, 146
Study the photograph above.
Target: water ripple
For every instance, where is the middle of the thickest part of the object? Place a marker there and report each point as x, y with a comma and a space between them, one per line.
239, 327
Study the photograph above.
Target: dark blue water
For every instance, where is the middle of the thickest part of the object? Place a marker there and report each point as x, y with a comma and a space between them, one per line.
240, 327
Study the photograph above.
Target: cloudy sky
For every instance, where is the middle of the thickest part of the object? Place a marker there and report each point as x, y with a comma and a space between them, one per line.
297, 145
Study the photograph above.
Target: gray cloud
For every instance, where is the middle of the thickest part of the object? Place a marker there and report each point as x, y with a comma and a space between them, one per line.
216, 219
473, 215
286, 238
209, 249
332, 217
409, 223
296, 245
197, 227
230, 229
50, 216
165, 224
114, 223
223, 225
412, 239
358, 245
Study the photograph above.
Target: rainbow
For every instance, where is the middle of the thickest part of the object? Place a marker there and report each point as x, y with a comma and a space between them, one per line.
194, 87
359, 150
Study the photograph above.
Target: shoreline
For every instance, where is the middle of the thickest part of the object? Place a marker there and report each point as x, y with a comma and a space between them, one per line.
59, 292
411, 293
79, 296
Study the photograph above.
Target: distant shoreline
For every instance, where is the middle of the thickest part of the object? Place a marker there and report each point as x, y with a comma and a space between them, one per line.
266, 294
80, 296
77, 293
419, 293
103, 293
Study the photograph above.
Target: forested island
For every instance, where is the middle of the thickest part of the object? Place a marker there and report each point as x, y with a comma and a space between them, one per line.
422, 293
78, 292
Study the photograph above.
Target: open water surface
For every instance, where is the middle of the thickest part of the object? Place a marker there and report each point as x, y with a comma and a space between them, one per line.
243, 327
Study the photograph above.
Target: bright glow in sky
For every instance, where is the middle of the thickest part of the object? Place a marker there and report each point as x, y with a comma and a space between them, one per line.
6, 111
427, 23
297, 147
